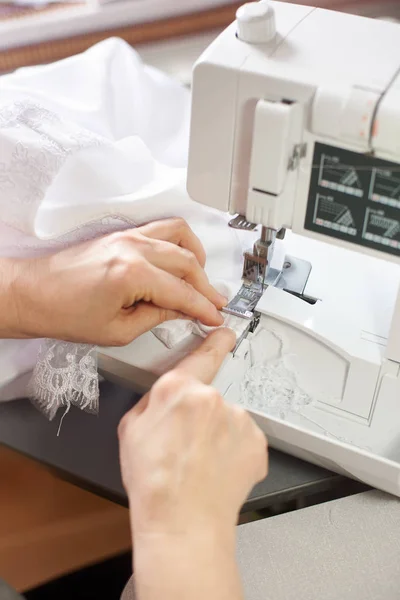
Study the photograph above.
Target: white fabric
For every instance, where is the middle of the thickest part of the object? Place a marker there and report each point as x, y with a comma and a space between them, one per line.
89, 145
173, 333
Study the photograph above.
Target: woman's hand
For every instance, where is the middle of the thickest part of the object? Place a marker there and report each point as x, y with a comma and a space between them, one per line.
188, 458
111, 290
189, 461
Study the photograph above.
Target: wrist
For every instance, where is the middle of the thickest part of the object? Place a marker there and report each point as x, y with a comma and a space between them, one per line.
11, 322
167, 539
183, 522
23, 312
189, 538
191, 564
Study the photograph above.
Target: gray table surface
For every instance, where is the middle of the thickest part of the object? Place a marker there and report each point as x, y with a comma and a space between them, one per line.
348, 549
7, 593
86, 451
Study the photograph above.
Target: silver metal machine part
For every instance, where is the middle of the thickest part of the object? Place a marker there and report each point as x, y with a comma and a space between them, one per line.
239, 222
258, 275
257, 272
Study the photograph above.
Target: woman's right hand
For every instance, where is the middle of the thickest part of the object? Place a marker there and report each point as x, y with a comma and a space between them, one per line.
189, 459
111, 290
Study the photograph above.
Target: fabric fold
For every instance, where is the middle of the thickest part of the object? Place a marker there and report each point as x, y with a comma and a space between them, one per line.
90, 145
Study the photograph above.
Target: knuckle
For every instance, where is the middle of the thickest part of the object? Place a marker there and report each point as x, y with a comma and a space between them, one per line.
189, 395
260, 447
115, 238
239, 413
214, 398
158, 484
179, 223
124, 426
167, 314
143, 243
248, 425
122, 259
188, 293
190, 258
170, 383
210, 352
265, 466
131, 264
262, 465
187, 403
260, 442
126, 253
206, 397
200, 398
260, 436
255, 441
116, 250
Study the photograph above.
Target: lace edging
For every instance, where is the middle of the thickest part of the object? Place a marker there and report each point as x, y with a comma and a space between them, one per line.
65, 375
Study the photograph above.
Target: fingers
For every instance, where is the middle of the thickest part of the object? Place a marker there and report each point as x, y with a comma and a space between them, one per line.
174, 249
176, 231
183, 264
204, 363
202, 366
263, 463
168, 292
257, 445
260, 447
141, 319
137, 320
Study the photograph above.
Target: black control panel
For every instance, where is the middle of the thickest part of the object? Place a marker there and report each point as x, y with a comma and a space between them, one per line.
356, 198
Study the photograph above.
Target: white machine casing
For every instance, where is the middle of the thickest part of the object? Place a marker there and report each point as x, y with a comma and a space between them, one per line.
271, 123
326, 85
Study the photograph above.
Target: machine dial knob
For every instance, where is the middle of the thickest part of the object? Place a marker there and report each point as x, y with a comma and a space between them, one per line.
256, 22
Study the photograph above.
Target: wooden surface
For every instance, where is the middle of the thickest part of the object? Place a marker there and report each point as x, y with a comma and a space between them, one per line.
145, 33
135, 35
49, 527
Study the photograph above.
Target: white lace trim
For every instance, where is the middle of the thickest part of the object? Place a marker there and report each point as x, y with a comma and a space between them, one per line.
65, 375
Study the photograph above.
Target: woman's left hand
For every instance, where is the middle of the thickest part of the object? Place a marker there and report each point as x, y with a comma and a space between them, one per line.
111, 290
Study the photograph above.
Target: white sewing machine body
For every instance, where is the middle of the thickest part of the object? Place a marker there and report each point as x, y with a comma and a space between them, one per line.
302, 132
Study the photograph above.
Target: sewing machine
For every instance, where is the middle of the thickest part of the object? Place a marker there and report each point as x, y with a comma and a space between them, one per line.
296, 129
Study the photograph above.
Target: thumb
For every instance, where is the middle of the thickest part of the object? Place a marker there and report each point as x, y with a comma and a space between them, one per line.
141, 318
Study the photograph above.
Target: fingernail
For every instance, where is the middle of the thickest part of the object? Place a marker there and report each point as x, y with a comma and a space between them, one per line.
223, 300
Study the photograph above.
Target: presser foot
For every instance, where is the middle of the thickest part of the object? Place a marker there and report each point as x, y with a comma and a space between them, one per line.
252, 326
292, 278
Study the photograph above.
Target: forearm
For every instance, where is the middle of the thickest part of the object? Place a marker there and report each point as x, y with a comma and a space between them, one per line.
10, 322
187, 566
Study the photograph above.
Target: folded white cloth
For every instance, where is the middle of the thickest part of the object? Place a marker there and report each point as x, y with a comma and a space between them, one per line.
89, 145
173, 333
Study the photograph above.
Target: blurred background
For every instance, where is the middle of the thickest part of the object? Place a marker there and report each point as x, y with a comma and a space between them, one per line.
170, 33
48, 528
